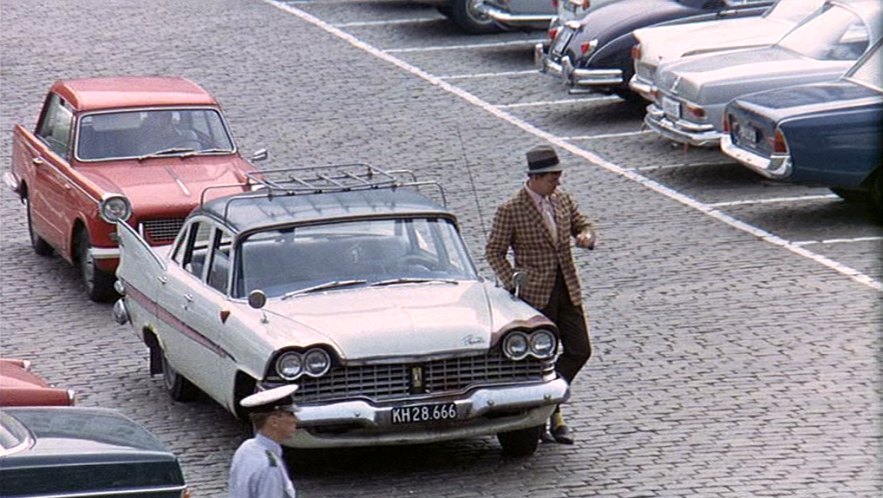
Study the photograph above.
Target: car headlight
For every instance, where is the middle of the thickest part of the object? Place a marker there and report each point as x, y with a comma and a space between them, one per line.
542, 344
316, 362
516, 346
290, 365
114, 208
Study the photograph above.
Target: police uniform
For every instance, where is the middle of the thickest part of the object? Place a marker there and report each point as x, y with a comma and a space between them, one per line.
257, 470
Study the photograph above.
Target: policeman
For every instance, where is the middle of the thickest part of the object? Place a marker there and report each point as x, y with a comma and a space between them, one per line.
257, 470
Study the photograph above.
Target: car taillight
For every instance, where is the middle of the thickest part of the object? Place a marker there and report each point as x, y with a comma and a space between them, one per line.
553, 33
588, 46
555, 3
654, 92
778, 143
726, 123
636, 51
696, 111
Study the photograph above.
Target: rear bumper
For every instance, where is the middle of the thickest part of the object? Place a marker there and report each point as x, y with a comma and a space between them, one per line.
777, 166
642, 87
680, 130
481, 412
506, 18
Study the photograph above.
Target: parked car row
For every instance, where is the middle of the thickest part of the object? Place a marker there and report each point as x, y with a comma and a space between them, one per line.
705, 65
48, 447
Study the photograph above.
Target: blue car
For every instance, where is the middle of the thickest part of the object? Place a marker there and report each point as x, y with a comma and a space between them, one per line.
828, 134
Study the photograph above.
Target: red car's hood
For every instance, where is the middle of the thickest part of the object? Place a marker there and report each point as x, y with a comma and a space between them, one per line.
169, 182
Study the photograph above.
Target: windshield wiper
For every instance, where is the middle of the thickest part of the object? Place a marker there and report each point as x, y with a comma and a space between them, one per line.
411, 280
165, 152
327, 285
206, 151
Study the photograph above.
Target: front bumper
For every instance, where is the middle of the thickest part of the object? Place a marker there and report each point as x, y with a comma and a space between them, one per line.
506, 18
481, 412
697, 135
777, 166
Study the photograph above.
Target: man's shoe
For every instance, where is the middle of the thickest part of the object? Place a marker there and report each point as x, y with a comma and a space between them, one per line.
559, 430
561, 434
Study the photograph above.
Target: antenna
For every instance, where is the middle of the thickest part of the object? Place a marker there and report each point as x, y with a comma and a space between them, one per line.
472, 184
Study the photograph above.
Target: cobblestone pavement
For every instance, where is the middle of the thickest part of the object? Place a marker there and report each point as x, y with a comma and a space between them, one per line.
724, 366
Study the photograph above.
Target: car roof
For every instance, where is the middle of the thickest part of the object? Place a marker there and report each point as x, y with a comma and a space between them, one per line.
257, 210
91, 94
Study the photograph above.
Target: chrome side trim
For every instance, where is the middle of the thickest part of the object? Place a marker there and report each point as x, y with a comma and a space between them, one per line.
506, 17
121, 492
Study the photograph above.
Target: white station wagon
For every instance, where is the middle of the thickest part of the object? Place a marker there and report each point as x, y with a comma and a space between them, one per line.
349, 282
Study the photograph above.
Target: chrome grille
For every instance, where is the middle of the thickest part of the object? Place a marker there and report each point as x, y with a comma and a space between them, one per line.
162, 231
391, 381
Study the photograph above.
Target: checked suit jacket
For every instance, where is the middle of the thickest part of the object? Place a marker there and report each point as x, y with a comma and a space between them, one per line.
518, 224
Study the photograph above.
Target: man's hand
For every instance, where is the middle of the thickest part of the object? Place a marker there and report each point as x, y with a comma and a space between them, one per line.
586, 240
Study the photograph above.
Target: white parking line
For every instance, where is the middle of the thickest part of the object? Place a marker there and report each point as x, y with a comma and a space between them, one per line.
545, 103
608, 135
452, 47
488, 75
388, 22
775, 200
587, 155
837, 241
677, 166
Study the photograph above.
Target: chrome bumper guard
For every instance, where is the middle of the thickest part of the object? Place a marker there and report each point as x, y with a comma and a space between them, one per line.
485, 411
681, 131
776, 167
587, 78
104, 252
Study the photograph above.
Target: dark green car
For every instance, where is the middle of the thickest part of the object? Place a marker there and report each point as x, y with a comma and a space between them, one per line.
83, 452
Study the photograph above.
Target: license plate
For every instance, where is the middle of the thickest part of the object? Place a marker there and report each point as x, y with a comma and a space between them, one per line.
561, 41
747, 134
424, 413
671, 107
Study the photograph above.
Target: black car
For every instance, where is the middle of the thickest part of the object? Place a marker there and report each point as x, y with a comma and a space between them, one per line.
594, 53
83, 452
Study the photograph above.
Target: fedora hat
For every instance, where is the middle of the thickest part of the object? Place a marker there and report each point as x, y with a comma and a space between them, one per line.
542, 159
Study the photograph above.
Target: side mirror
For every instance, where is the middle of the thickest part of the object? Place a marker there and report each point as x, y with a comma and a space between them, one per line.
260, 155
518, 279
257, 299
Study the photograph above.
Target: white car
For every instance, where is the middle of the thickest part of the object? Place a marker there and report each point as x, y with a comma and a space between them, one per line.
356, 287
660, 44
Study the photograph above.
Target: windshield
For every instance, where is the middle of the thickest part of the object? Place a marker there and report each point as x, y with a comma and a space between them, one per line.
868, 71
136, 134
792, 10
351, 254
833, 33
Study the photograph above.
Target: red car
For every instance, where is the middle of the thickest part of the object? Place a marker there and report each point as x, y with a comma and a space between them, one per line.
21, 387
138, 149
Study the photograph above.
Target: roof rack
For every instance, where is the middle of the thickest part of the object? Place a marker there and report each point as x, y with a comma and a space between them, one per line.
311, 180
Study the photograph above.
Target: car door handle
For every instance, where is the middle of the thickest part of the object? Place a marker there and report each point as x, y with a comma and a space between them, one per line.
38, 161
188, 298
162, 279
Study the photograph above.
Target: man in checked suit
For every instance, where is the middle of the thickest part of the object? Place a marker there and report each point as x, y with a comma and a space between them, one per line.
537, 224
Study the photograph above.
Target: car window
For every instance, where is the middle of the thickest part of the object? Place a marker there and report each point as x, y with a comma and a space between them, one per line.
833, 33
220, 260
56, 124
287, 260
868, 71
13, 435
116, 135
193, 249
